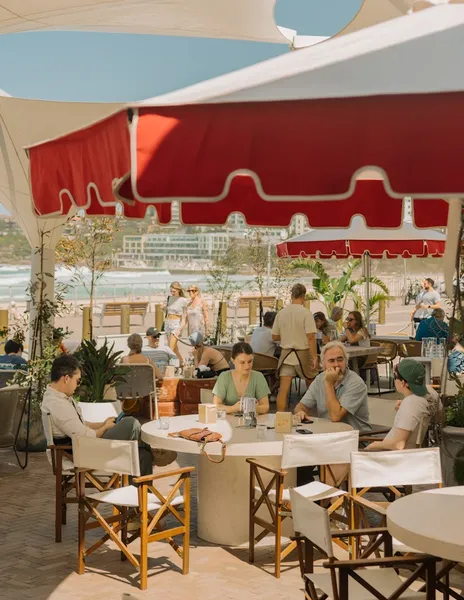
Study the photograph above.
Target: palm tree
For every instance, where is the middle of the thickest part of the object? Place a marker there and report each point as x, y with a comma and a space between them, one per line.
335, 291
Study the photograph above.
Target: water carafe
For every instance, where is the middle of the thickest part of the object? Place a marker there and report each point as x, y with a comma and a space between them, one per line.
248, 408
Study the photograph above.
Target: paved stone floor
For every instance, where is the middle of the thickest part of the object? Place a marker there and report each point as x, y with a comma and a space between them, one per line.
32, 566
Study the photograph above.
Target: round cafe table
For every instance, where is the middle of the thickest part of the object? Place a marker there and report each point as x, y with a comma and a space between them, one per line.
430, 522
223, 489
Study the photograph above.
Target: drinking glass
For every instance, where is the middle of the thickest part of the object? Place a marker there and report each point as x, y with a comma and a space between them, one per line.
428, 347
221, 413
441, 347
164, 424
261, 429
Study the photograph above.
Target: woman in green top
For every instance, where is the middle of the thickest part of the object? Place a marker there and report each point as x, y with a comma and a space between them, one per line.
241, 382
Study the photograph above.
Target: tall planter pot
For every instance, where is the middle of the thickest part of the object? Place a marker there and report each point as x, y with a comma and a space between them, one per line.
452, 455
37, 441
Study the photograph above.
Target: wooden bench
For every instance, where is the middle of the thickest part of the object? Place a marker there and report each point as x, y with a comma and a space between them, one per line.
268, 301
114, 309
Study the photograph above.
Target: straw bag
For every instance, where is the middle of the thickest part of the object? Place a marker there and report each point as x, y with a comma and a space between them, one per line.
203, 437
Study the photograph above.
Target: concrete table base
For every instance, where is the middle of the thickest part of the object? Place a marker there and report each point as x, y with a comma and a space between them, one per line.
224, 489
223, 499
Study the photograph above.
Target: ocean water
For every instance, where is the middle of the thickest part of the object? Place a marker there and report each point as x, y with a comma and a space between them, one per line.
14, 280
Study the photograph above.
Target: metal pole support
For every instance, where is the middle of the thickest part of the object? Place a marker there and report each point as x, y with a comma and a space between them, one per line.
223, 313
159, 316
382, 312
125, 318
86, 323
252, 311
3, 327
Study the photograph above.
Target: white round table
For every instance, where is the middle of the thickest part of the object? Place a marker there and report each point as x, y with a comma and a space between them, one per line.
430, 522
223, 489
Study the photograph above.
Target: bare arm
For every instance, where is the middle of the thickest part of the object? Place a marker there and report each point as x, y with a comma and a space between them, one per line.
195, 357
183, 322
353, 337
234, 408
334, 408
397, 442
276, 338
325, 339
262, 406
302, 410
101, 428
205, 358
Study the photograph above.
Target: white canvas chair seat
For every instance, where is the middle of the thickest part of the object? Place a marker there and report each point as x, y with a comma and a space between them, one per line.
386, 581
127, 496
315, 490
149, 502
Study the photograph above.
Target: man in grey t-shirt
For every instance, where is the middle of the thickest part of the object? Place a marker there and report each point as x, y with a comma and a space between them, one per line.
426, 301
337, 394
261, 339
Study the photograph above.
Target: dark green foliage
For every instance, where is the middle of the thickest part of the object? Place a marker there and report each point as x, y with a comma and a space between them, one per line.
100, 368
454, 416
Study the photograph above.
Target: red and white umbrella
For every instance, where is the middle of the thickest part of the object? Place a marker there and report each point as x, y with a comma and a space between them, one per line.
358, 240
304, 127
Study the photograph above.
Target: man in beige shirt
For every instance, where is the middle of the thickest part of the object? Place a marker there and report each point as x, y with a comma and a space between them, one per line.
294, 327
66, 416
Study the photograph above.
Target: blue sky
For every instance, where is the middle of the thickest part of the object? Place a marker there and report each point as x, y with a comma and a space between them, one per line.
113, 67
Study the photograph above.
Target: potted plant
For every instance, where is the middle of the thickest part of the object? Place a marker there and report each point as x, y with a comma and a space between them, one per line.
101, 371
453, 439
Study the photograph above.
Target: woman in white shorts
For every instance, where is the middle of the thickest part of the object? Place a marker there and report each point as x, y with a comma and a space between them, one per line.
175, 307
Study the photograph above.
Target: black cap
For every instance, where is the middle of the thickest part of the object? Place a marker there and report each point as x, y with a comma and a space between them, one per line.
153, 332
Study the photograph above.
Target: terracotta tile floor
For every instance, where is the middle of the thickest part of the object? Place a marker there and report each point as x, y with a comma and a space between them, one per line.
32, 566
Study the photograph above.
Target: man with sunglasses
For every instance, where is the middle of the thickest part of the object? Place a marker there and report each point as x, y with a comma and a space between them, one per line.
66, 416
161, 355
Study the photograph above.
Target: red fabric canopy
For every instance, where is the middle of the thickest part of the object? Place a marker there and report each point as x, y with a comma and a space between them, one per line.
406, 241
376, 249
292, 149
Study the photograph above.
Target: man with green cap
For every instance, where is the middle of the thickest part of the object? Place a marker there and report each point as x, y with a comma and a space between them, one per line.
418, 406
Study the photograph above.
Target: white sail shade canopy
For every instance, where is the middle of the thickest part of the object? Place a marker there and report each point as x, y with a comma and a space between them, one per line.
233, 19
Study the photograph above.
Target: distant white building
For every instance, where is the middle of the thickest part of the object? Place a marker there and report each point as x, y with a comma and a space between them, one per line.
298, 225
161, 250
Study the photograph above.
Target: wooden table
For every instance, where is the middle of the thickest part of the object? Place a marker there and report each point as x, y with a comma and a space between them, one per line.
430, 522
355, 352
398, 339
223, 489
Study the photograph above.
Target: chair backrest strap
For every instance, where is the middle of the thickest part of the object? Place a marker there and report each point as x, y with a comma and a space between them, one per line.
319, 449
397, 467
312, 521
114, 456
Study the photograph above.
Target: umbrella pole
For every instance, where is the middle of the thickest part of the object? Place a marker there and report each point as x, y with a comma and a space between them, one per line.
367, 275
